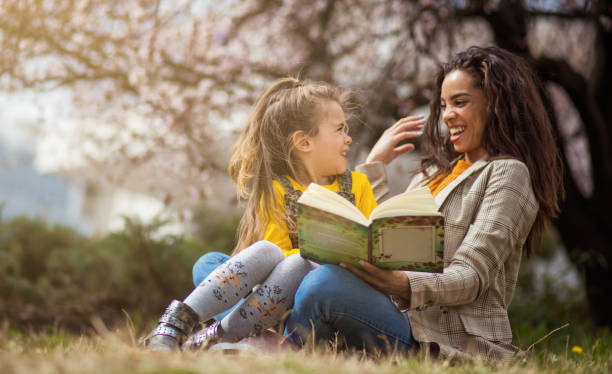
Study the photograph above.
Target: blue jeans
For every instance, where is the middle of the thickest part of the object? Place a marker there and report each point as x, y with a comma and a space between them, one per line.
206, 265
332, 300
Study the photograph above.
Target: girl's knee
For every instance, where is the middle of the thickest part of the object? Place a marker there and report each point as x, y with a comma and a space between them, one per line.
266, 248
295, 261
294, 266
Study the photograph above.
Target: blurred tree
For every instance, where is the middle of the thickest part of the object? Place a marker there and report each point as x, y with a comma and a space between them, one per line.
161, 85
168, 80
573, 52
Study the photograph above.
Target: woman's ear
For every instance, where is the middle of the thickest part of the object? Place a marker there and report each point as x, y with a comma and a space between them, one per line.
301, 141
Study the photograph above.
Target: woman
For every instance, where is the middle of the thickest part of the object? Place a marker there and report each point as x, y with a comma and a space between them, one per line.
496, 178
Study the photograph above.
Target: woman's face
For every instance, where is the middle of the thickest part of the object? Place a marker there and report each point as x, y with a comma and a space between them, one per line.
463, 109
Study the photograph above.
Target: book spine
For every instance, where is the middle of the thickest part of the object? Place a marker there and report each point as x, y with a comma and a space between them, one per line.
370, 244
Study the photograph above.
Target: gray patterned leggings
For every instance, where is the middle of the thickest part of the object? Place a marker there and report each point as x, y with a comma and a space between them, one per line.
263, 268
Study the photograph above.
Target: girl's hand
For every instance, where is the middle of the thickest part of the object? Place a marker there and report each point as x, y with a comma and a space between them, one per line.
386, 150
389, 282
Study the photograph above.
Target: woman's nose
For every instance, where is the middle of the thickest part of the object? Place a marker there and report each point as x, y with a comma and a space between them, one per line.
447, 114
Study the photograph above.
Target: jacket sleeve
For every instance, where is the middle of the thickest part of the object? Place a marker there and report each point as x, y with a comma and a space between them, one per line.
505, 213
377, 175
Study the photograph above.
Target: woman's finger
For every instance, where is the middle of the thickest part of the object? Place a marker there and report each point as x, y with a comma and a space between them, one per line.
365, 276
378, 276
353, 269
416, 118
406, 135
389, 282
405, 148
386, 149
370, 268
406, 123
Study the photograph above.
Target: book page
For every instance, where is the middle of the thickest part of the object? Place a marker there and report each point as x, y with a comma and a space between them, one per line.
403, 212
321, 198
408, 244
420, 201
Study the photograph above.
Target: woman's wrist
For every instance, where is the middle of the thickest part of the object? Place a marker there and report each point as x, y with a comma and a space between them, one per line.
374, 158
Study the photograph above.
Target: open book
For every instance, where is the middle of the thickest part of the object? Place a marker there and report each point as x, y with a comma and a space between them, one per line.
405, 232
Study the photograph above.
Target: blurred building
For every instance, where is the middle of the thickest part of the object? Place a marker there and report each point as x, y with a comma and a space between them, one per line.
85, 204
29, 187
26, 191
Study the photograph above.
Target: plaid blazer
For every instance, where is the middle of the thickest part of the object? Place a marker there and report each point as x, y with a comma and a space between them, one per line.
489, 211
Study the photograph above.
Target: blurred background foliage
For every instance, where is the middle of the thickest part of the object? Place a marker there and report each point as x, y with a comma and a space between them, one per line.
54, 276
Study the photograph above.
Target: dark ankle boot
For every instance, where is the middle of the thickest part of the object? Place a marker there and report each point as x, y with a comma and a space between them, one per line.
205, 338
175, 325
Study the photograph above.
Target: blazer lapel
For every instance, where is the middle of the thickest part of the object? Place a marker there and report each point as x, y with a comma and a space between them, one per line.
442, 195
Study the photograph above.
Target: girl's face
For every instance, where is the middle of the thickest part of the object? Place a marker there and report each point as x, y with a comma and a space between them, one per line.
331, 144
463, 109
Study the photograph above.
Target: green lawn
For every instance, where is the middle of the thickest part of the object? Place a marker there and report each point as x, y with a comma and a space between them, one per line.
116, 352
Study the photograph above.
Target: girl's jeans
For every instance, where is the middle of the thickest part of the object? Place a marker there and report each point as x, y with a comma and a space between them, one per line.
332, 300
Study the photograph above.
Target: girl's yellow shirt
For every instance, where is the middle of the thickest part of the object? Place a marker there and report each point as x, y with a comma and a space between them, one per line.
276, 230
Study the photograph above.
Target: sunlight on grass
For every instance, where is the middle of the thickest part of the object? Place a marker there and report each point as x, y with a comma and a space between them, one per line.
117, 352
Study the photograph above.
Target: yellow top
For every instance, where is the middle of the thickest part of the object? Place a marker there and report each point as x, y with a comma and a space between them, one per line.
277, 232
442, 181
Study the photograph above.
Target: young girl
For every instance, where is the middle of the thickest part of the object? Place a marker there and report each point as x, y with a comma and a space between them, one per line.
296, 134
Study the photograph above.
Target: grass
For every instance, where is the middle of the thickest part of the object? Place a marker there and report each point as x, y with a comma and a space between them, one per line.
52, 280
103, 351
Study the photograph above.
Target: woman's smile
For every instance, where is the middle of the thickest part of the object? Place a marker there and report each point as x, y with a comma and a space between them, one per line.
456, 133
463, 112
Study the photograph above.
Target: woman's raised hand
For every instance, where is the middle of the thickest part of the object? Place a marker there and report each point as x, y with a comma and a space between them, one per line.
386, 149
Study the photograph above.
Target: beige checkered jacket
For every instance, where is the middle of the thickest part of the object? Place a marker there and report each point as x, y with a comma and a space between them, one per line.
489, 210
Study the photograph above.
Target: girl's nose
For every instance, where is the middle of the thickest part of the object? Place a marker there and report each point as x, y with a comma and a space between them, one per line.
348, 139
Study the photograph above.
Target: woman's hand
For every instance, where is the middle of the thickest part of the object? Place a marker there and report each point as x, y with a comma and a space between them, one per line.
389, 282
386, 150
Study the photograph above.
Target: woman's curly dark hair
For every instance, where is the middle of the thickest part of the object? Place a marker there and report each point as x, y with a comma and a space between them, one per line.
517, 126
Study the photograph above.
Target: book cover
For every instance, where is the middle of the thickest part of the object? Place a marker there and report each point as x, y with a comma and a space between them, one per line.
325, 237
400, 242
408, 243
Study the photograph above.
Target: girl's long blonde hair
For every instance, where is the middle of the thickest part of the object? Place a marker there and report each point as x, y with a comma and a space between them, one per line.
265, 147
